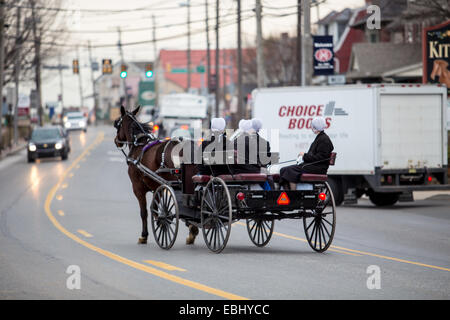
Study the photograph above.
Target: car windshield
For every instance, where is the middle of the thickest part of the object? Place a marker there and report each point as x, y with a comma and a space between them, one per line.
74, 116
45, 134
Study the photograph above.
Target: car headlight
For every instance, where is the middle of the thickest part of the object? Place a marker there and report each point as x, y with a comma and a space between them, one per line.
58, 145
67, 125
32, 147
65, 119
81, 123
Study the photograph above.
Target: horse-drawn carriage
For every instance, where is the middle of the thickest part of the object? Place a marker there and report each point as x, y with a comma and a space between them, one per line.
214, 202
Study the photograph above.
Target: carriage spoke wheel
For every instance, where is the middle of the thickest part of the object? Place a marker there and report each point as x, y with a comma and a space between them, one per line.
320, 224
164, 216
216, 214
260, 231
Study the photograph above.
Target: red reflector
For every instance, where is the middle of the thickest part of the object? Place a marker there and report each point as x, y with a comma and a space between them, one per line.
283, 199
430, 179
322, 196
240, 196
177, 171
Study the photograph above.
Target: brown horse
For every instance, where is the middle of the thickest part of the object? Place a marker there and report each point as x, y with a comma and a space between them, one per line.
136, 136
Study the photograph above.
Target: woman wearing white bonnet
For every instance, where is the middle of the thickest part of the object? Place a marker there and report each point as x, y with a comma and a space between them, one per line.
218, 124
256, 124
315, 161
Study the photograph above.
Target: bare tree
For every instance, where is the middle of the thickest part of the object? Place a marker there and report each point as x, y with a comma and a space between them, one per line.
50, 30
426, 11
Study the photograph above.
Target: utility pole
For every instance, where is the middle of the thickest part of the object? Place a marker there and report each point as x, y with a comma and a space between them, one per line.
155, 59
37, 62
241, 112
208, 53
61, 84
155, 49
189, 45
2, 65
17, 74
306, 45
260, 74
124, 82
217, 60
299, 42
80, 82
224, 58
94, 92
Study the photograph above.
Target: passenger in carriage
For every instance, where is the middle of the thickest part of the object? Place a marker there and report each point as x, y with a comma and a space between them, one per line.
217, 141
315, 161
248, 145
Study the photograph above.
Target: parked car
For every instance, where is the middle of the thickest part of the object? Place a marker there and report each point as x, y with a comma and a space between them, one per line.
51, 141
75, 121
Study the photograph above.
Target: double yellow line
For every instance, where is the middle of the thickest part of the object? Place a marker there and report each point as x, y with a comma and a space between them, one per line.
113, 256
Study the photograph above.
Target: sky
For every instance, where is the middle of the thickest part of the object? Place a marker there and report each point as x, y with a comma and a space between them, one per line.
170, 17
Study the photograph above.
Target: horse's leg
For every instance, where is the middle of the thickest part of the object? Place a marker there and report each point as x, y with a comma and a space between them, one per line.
193, 232
140, 195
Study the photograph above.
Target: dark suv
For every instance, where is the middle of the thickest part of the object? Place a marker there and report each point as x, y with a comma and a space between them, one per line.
51, 141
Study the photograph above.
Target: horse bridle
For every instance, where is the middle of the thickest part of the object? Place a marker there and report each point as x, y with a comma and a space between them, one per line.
149, 136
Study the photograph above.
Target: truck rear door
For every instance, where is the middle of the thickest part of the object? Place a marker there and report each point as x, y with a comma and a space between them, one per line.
411, 130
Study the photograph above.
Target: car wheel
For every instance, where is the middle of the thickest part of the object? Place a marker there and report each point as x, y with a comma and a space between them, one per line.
30, 160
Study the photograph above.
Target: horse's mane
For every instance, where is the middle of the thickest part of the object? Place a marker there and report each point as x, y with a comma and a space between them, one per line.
135, 129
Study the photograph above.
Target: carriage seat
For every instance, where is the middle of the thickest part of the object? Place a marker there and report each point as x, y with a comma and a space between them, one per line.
306, 177
201, 178
247, 177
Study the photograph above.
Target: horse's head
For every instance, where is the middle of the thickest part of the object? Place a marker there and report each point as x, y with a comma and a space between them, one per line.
123, 126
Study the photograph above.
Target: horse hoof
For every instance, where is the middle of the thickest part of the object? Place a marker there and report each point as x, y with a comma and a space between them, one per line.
190, 239
142, 241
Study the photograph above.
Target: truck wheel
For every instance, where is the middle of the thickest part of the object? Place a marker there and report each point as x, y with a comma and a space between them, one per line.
383, 199
336, 188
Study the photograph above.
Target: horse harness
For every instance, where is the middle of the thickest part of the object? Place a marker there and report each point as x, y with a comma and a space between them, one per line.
149, 142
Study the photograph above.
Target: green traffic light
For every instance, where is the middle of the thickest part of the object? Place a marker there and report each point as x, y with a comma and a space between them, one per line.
149, 74
123, 74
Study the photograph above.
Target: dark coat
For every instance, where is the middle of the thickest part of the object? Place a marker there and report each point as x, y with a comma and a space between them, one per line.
205, 169
316, 160
254, 144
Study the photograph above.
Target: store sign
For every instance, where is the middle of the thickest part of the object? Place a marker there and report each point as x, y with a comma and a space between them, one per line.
147, 93
436, 54
323, 55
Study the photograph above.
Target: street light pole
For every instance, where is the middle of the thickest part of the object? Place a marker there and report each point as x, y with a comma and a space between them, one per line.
37, 62
217, 59
17, 74
189, 45
2, 65
94, 92
260, 74
241, 112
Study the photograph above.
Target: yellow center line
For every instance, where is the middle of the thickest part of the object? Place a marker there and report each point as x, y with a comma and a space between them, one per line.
360, 253
61, 213
163, 265
113, 256
84, 233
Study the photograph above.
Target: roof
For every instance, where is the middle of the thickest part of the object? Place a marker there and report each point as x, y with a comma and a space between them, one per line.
334, 16
389, 11
372, 60
170, 60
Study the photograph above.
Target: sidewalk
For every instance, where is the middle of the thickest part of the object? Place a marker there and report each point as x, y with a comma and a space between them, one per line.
22, 144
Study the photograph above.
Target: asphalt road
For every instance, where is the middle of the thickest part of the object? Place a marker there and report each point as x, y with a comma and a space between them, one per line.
81, 212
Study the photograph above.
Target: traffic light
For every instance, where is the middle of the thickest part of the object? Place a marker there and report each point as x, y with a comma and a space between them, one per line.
106, 66
123, 71
149, 70
75, 66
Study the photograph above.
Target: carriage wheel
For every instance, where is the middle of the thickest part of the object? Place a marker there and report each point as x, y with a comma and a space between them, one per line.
164, 216
320, 224
216, 214
260, 231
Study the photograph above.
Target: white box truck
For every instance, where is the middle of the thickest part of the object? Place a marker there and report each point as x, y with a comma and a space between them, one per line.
182, 113
389, 139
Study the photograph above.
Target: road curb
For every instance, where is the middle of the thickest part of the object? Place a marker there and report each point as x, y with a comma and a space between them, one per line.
12, 151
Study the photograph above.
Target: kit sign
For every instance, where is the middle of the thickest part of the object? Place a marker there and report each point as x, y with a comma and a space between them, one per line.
323, 55
436, 54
